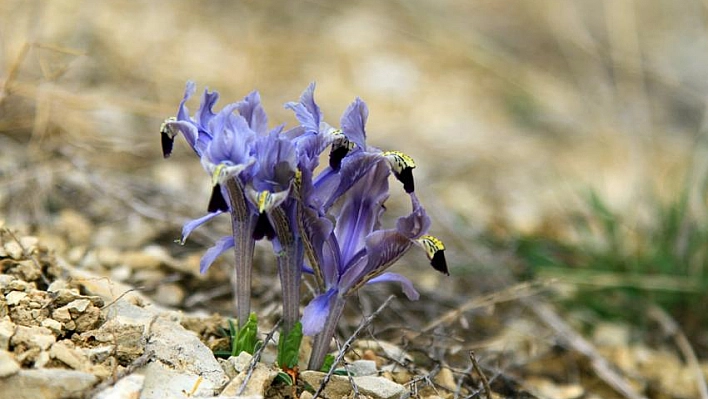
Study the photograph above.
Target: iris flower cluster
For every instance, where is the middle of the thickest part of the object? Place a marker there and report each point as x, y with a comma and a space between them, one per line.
323, 220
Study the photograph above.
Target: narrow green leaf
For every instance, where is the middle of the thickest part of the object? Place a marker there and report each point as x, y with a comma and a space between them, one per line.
289, 347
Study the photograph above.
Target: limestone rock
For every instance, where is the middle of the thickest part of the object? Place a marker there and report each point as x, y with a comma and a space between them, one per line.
128, 387
46, 384
8, 364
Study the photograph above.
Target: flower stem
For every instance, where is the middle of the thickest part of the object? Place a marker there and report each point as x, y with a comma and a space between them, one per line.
320, 346
290, 268
242, 223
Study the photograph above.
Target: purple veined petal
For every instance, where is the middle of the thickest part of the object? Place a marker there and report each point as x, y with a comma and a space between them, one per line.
383, 248
353, 122
205, 112
360, 210
251, 109
307, 111
193, 224
406, 284
417, 223
233, 142
223, 244
183, 112
353, 168
315, 313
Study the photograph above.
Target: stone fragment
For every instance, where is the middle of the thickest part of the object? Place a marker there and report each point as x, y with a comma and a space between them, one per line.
32, 337
27, 270
446, 379
338, 386
13, 250
360, 368
65, 352
20, 285
260, 380
53, 325
7, 330
46, 384
169, 294
75, 226
89, 319
78, 306
14, 298
128, 387
62, 315
5, 280
380, 388
141, 260
174, 345
8, 364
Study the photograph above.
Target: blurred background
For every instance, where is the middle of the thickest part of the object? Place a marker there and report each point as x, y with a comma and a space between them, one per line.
553, 139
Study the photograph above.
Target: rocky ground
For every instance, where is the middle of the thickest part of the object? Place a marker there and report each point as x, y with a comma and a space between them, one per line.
512, 112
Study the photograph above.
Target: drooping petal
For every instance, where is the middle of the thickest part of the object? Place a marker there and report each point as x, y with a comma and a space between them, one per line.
193, 224
406, 284
353, 122
315, 313
223, 244
188, 130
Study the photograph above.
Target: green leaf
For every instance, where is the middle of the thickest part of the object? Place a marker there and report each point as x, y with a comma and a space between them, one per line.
328, 362
289, 347
244, 339
284, 378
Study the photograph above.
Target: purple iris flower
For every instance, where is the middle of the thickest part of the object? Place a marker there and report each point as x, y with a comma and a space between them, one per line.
252, 172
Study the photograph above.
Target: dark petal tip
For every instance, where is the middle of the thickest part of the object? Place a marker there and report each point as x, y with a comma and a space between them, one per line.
217, 202
167, 143
438, 262
263, 228
336, 155
406, 177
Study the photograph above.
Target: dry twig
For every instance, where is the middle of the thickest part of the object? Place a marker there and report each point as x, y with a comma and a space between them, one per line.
672, 328
599, 364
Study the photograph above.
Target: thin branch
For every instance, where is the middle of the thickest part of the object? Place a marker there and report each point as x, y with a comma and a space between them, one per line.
478, 370
257, 358
672, 328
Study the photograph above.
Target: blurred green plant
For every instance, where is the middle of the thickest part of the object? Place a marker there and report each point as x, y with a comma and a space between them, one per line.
243, 339
621, 269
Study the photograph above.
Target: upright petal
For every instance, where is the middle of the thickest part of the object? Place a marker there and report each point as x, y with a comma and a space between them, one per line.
251, 109
353, 122
307, 111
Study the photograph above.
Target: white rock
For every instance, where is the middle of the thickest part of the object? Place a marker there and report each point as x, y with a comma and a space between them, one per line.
359, 368
46, 384
380, 388
7, 330
33, 337
187, 357
53, 325
260, 380
128, 387
69, 355
78, 305
14, 250
240, 362
13, 298
8, 364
